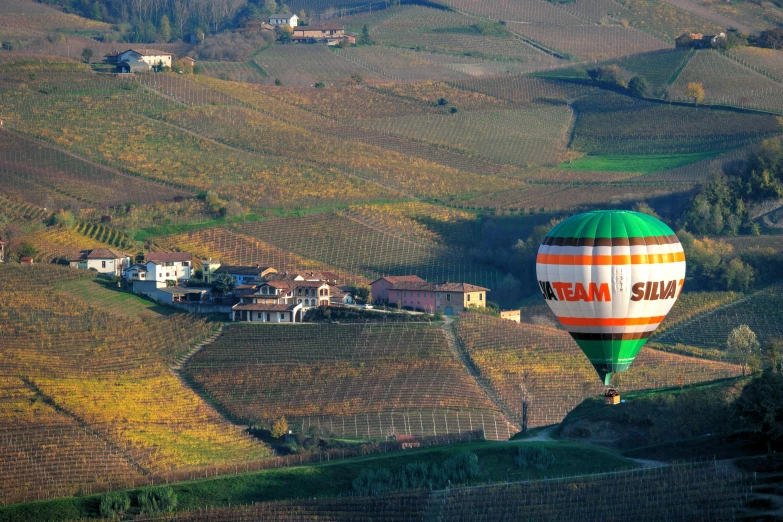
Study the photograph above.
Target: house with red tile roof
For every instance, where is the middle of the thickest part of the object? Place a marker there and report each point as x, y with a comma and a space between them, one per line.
379, 289
103, 260
448, 298
164, 266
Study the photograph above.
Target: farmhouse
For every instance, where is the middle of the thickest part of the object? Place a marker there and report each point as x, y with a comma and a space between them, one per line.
162, 266
291, 20
330, 34
244, 274
103, 260
446, 297
380, 287
151, 57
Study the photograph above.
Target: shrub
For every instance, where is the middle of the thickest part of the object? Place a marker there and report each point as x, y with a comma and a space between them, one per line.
157, 500
280, 428
114, 504
461, 467
534, 457
372, 482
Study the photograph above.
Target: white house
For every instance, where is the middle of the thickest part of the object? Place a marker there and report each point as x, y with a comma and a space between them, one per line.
290, 20
151, 57
135, 272
162, 266
102, 260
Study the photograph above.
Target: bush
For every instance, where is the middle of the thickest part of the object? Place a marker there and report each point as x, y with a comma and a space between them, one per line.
157, 500
534, 457
114, 504
461, 467
373, 482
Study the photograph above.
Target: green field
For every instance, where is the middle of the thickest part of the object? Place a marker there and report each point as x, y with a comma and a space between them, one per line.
644, 163
496, 461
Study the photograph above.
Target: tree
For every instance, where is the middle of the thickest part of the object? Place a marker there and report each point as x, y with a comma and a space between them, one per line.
114, 504
695, 91
87, 54
165, 28
770, 39
357, 78
738, 276
171, 282
157, 500
773, 352
280, 428
742, 344
760, 407
64, 219
359, 292
364, 38
638, 86
224, 284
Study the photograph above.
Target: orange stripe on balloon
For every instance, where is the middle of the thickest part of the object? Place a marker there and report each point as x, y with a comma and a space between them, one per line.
635, 259
625, 321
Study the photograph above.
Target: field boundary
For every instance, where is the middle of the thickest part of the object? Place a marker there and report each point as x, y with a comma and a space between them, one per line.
456, 346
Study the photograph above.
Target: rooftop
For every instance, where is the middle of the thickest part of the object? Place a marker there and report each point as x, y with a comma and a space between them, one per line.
400, 279
243, 270
262, 307
162, 257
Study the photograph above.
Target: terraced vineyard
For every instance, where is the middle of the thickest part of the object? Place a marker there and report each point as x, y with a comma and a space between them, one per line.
349, 380
345, 244
762, 312
613, 124
727, 82
555, 373
315, 64
233, 248
526, 137
88, 396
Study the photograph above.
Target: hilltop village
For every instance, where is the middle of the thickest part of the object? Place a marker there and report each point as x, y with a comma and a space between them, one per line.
264, 295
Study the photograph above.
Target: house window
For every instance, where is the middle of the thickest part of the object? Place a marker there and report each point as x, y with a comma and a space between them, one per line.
184, 263
259, 315
268, 317
468, 297
103, 264
481, 297
282, 316
448, 297
167, 274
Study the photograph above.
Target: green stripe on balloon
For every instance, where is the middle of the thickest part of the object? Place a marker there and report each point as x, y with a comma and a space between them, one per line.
610, 357
609, 224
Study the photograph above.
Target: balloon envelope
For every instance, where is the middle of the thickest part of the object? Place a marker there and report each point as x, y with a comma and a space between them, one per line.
610, 277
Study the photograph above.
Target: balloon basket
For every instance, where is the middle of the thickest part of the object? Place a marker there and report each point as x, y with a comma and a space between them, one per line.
614, 399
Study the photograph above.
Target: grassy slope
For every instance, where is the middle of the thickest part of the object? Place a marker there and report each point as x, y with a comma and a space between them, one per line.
328, 479
675, 423
644, 163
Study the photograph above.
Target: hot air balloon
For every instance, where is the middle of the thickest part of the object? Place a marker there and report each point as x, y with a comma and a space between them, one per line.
610, 277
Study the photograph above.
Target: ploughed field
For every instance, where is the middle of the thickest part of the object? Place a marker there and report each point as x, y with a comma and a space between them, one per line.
357, 381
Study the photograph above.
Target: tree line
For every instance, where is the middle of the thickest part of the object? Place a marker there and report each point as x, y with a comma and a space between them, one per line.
162, 21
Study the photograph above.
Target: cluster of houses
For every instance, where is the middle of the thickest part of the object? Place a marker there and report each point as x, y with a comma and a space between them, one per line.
262, 294
324, 33
141, 60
